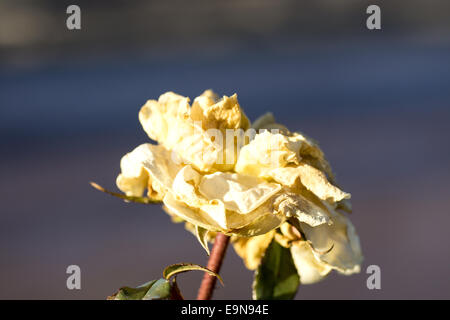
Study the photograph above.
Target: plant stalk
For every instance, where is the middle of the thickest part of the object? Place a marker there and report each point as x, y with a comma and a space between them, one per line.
214, 263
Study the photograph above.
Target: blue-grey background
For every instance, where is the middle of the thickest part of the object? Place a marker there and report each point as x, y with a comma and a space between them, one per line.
378, 102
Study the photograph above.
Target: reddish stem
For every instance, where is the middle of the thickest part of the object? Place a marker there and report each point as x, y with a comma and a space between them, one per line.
214, 263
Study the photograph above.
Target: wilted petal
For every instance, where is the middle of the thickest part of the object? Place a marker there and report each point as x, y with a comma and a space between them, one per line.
295, 205
225, 198
288, 234
267, 122
184, 186
192, 215
337, 245
214, 217
184, 189
268, 151
239, 193
309, 151
159, 118
147, 166
259, 221
192, 133
168, 122
252, 249
310, 177
236, 201
313, 155
160, 166
309, 268
344, 205
208, 204
222, 114
190, 143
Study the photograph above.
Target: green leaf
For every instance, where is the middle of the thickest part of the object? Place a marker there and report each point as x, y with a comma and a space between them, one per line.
144, 200
276, 277
128, 293
202, 237
174, 269
161, 289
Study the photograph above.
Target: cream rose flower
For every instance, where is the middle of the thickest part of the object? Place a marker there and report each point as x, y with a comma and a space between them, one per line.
215, 172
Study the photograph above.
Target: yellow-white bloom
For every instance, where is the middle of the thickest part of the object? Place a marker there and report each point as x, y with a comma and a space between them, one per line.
214, 171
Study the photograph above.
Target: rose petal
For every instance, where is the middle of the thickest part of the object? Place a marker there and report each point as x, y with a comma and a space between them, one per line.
252, 249
345, 254
267, 151
295, 205
222, 114
309, 268
267, 122
134, 177
238, 192
177, 127
310, 177
191, 215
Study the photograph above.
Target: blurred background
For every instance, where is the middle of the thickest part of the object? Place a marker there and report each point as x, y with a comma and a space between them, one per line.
378, 102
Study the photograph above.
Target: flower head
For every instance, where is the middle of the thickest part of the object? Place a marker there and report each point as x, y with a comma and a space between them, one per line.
259, 183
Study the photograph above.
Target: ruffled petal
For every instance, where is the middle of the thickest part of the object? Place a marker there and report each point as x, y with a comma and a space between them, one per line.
336, 245
159, 118
197, 134
295, 205
267, 122
309, 268
263, 224
146, 167
239, 193
309, 150
312, 154
310, 177
232, 201
177, 133
161, 167
212, 214
222, 114
259, 221
268, 151
192, 215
